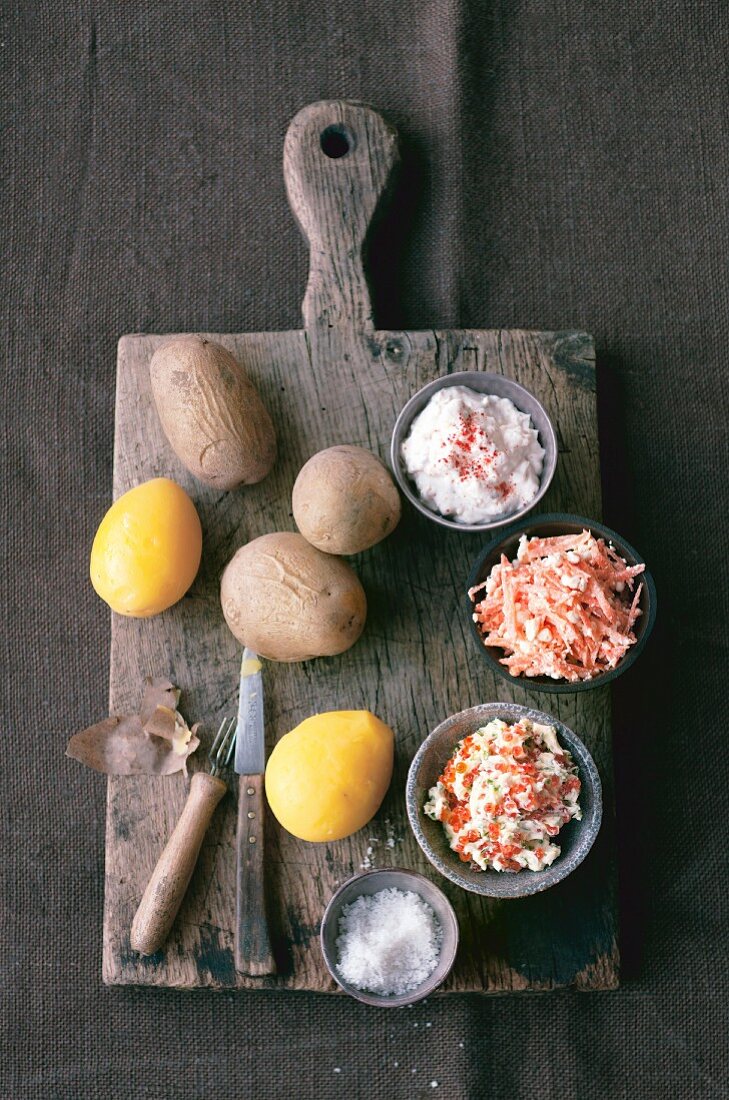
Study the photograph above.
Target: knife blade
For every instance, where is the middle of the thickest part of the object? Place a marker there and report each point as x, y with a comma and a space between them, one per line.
253, 952
250, 750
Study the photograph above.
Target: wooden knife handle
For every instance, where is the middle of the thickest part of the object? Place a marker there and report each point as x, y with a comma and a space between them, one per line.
253, 954
171, 877
338, 156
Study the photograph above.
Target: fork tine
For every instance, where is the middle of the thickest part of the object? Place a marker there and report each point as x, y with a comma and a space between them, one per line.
222, 747
230, 733
216, 743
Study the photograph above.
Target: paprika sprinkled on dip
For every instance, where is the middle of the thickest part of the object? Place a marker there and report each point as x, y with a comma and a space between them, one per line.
473, 456
505, 794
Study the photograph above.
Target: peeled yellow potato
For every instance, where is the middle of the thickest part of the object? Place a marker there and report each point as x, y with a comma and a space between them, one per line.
147, 549
327, 778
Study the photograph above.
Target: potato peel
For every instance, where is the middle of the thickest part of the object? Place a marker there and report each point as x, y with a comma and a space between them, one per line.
157, 741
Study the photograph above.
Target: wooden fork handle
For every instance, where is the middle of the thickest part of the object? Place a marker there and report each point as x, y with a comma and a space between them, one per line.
253, 953
171, 877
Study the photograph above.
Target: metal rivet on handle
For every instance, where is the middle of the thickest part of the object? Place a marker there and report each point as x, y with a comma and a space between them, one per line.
251, 840
251, 790
251, 814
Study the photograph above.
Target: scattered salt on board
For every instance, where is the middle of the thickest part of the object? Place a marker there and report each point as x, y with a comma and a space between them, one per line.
388, 942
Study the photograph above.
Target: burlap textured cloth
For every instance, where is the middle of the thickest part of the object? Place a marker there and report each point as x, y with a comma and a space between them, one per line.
567, 166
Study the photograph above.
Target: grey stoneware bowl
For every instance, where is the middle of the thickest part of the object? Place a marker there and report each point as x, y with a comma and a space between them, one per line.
545, 526
575, 839
498, 386
371, 882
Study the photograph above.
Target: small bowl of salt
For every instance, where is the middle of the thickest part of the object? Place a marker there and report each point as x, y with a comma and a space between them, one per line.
389, 937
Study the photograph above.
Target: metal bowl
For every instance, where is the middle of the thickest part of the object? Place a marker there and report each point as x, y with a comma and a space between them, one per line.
560, 523
498, 386
575, 838
371, 882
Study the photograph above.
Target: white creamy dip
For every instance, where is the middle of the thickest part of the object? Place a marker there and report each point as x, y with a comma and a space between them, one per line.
473, 456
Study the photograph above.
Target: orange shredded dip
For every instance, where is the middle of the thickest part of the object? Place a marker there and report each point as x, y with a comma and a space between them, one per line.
560, 608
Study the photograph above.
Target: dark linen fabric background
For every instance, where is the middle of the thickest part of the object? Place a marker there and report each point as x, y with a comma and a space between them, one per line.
566, 165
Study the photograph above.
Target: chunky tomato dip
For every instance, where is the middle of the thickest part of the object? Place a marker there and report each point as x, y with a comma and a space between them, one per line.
505, 794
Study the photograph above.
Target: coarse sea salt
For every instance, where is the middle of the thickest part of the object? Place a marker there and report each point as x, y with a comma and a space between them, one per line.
388, 943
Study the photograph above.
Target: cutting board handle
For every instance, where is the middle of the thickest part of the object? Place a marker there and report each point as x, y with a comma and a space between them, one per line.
338, 156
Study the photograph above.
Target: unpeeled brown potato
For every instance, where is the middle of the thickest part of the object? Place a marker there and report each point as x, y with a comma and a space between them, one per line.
287, 601
211, 412
344, 500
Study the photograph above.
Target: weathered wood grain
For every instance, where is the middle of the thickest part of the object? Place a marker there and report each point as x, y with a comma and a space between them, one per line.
339, 382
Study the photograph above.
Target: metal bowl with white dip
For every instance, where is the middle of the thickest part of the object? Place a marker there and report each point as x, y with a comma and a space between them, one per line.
473, 451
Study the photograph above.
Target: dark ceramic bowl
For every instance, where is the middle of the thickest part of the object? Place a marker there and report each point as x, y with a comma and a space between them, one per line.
560, 523
371, 882
575, 839
498, 386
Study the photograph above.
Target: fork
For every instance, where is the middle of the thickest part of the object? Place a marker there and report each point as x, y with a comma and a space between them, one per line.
171, 877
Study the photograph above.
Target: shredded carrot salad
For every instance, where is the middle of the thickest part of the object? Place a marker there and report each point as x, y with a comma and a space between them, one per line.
564, 608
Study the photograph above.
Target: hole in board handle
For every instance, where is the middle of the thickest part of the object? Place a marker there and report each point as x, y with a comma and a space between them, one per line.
336, 141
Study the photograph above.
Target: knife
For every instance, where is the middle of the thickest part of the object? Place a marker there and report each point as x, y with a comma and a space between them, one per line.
253, 954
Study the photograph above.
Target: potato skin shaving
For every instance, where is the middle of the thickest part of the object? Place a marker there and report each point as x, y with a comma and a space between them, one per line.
157, 741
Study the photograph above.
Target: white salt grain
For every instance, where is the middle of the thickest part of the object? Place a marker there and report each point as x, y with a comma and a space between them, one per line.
388, 942
392, 838
368, 861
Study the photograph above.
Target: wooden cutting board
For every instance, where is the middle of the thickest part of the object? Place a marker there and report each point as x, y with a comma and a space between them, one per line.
339, 380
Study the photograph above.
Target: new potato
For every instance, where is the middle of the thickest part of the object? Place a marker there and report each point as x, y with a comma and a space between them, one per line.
326, 778
287, 601
212, 413
344, 500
